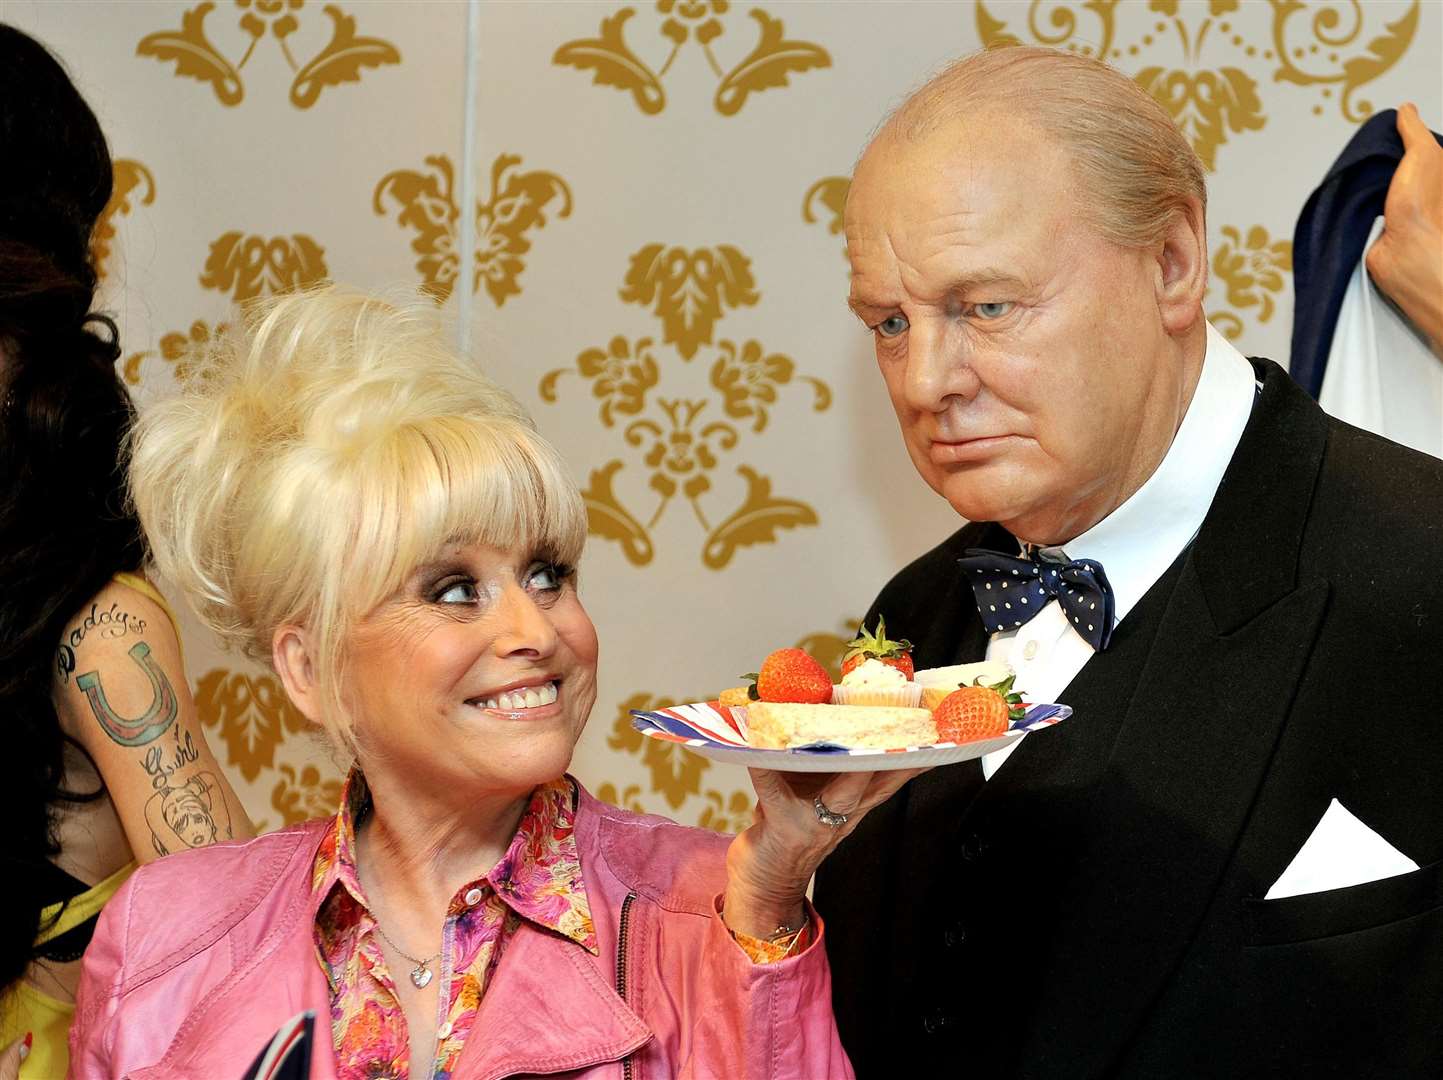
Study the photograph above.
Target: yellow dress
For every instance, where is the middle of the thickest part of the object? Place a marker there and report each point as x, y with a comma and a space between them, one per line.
24, 1007
146, 589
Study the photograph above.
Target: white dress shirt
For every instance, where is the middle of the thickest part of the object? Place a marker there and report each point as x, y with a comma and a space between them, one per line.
1381, 374
1139, 540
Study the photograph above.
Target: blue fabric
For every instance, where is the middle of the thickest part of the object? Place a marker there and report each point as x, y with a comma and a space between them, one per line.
1011, 590
1331, 234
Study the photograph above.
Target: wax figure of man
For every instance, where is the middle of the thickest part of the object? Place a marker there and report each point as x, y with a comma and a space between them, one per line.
1028, 244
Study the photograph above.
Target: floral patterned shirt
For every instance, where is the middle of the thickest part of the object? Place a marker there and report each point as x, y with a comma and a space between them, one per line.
538, 879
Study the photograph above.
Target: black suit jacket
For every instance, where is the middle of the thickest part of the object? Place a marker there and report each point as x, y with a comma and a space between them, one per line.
1096, 908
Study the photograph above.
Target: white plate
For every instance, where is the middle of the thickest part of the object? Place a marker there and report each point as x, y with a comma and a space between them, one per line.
714, 732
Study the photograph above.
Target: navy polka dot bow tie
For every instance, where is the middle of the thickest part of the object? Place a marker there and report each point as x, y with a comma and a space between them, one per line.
1010, 590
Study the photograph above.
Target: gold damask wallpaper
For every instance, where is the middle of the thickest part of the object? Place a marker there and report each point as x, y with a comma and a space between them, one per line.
672, 26
425, 203
675, 440
657, 268
341, 60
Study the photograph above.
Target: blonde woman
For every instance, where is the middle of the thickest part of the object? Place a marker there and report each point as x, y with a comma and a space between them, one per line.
344, 498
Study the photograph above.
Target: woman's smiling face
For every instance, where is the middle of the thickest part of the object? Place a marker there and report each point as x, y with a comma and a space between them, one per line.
480, 672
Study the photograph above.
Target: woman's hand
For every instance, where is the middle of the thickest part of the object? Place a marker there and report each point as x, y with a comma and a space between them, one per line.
12, 1056
770, 864
1406, 261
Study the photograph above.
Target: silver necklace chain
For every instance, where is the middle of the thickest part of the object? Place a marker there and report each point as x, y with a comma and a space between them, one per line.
421, 973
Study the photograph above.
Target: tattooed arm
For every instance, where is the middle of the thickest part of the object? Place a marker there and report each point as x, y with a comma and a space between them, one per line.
122, 694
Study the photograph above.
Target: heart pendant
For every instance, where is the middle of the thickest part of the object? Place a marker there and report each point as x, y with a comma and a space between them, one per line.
420, 976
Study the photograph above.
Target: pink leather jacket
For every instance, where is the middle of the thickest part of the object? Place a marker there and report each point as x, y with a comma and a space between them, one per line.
201, 956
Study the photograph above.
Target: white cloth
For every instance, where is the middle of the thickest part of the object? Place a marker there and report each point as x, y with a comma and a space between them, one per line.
1381, 375
1139, 540
1341, 851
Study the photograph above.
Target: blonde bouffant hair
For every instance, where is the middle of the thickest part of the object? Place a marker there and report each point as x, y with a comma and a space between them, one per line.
318, 456
1134, 165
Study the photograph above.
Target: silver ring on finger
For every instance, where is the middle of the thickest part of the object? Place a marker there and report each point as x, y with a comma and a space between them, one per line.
829, 818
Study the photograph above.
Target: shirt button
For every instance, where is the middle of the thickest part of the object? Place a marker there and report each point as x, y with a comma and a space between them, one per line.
1029, 651
935, 1021
444, 1031
473, 897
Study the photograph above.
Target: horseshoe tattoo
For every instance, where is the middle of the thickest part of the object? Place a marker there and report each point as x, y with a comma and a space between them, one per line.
150, 724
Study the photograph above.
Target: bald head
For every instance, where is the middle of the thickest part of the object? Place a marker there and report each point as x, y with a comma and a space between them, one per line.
1132, 168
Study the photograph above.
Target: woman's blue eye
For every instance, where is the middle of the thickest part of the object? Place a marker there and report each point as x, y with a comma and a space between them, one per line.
547, 578
463, 592
994, 310
892, 325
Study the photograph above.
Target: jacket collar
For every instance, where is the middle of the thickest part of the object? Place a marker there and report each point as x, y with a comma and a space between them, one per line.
552, 1007
539, 877
1246, 553
549, 1008
650, 870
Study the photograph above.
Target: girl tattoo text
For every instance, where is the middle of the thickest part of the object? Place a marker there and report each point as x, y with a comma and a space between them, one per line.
188, 815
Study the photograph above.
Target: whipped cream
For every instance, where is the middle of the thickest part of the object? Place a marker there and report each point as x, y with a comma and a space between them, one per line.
875, 675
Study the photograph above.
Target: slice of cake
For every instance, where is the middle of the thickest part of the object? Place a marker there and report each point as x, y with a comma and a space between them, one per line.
781, 725
938, 682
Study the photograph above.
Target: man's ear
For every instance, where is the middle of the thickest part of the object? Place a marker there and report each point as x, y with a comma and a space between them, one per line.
1182, 269
293, 655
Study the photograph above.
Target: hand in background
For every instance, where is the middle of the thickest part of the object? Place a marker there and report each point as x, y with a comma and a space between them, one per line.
1406, 262
770, 864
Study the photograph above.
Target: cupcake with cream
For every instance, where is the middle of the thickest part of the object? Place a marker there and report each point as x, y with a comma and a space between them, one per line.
874, 683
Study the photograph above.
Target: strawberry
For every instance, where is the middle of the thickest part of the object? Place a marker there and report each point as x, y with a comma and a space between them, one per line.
791, 675
869, 646
978, 712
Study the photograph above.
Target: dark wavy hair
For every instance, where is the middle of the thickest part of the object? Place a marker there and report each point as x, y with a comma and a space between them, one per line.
65, 528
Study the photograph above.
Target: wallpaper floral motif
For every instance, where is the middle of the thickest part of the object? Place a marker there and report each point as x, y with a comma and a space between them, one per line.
770, 63
342, 60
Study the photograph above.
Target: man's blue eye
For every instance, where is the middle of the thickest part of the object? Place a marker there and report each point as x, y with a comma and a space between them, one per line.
893, 325
994, 310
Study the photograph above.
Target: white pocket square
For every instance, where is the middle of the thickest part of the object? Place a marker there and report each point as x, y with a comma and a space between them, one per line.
1341, 852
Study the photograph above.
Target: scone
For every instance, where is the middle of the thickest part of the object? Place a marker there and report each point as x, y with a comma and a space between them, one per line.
781, 725
737, 695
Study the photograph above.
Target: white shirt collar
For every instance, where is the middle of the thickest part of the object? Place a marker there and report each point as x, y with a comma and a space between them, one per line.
1138, 541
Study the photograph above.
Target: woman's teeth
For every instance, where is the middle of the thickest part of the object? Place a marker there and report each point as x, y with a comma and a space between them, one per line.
532, 697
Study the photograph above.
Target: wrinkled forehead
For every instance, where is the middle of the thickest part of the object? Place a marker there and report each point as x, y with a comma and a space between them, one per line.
955, 201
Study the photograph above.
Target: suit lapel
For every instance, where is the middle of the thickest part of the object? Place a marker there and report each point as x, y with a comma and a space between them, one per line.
1190, 755
1192, 748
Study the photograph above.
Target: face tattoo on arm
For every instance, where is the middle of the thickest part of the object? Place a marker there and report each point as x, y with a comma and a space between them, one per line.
152, 723
185, 814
